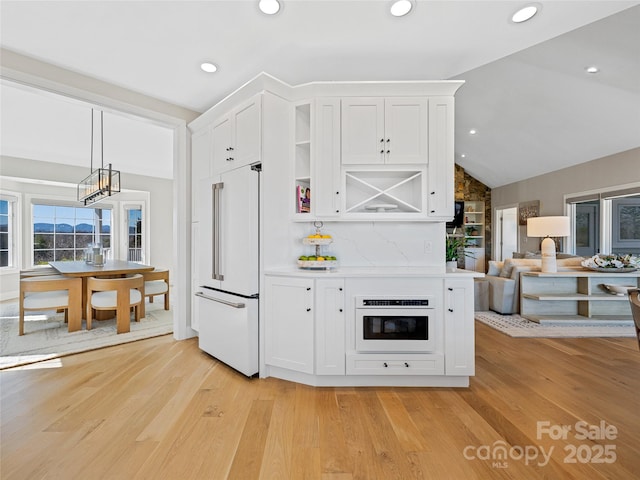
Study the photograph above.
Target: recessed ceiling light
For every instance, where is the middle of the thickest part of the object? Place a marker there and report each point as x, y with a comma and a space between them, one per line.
524, 14
399, 8
208, 67
270, 7
473, 131
464, 155
592, 69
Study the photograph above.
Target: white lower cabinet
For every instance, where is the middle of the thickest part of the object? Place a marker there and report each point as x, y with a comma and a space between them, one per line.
330, 327
308, 330
305, 322
289, 315
459, 333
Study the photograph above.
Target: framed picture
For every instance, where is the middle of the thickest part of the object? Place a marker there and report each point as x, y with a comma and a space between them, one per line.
528, 209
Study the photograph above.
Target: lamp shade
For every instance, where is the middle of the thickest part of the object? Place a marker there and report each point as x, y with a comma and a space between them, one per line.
548, 227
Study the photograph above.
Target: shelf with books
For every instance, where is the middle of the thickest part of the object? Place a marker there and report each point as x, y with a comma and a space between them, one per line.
303, 197
474, 233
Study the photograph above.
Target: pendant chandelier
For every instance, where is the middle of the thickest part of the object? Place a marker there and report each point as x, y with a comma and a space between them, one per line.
101, 182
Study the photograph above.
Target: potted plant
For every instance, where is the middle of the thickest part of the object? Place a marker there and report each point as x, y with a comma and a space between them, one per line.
454, 248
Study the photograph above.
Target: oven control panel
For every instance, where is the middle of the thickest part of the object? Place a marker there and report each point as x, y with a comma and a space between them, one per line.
379, 302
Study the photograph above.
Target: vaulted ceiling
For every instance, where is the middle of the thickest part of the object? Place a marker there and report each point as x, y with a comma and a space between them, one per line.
527, 94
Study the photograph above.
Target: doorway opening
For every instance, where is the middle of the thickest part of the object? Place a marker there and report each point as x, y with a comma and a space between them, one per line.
506, 233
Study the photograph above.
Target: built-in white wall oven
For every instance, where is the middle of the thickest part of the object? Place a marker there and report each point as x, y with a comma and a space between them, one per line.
395, 324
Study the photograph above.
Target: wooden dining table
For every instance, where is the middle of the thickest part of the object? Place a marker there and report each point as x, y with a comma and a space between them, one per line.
111, 268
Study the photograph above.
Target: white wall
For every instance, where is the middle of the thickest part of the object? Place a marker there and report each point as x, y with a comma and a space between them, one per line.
603, 173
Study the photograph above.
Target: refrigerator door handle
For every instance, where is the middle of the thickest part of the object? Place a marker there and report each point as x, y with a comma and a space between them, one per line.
216, 225
219, 300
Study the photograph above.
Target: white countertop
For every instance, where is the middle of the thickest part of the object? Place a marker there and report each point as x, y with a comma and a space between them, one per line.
372, 271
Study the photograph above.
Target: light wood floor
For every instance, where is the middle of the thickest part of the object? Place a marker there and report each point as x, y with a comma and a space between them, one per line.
160, 409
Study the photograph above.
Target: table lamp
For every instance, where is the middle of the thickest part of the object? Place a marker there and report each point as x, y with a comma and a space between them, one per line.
548, 227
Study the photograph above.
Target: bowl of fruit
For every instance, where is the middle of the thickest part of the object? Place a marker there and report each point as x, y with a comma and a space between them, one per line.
317, 262
317, 239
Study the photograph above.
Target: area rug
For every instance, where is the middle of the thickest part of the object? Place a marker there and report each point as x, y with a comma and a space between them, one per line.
516, 326
46, 334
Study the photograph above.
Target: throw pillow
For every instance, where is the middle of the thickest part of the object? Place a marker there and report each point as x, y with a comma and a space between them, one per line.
494, 268
507, 266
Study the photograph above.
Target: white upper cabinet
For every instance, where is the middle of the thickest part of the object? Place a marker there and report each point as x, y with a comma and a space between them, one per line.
237, 137
440, 172
384, 130
222, 143
201, 155
326, 165
317, 159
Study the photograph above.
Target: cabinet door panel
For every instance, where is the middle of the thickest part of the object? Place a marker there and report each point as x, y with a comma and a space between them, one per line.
326, 196
195, 276
222, 142
459, 333
247, 133
330, 327
406, 130
441, 163
362, 130
289, 323
201, 158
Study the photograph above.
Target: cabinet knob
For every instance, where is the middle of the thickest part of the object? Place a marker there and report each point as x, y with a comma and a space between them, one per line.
231, 149
381, 151
382, 140
340, 289
340, 310
388, 152
388, 140
433, 193
337, 211
433, 211
450, 289
308, 288
406, 364
230, 159
451, 310
308, 309
337, 193
385, 364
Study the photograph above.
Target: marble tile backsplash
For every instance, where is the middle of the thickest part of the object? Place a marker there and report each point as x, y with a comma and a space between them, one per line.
385, 243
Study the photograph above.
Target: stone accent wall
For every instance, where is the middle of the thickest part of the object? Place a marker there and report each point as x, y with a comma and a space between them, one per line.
468, 188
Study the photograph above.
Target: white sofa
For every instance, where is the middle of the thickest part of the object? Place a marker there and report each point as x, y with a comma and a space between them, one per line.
504, 280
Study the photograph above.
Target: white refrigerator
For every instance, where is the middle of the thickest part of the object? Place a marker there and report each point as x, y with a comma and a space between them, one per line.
228, 269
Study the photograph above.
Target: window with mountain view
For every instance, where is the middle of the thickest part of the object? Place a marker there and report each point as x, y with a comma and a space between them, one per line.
62, 232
